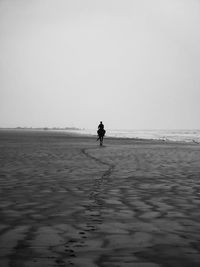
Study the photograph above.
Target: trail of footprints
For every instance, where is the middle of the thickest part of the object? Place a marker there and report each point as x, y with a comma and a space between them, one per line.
93, 216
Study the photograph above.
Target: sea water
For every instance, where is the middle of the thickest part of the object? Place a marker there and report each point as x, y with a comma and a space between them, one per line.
171, 135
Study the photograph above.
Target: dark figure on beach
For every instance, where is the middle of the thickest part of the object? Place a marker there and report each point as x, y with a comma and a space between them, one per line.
101, 132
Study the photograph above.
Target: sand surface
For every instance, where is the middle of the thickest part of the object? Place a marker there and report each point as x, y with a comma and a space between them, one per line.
65, 201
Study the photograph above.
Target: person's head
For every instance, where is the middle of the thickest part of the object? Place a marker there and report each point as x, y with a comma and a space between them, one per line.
100, 122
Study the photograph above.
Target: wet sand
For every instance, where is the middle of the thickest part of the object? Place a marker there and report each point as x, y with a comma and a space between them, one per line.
65, 201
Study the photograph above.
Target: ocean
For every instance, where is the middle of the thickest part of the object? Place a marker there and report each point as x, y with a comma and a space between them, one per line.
171, 135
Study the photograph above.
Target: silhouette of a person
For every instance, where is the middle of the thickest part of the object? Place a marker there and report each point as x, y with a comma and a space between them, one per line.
101, 132
101, 126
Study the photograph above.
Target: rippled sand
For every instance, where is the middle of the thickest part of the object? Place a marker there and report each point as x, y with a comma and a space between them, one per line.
65, 201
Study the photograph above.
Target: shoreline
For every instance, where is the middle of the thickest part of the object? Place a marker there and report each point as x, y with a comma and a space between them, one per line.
71, 133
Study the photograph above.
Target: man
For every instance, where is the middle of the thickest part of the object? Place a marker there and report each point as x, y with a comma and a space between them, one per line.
101, 132
101, 126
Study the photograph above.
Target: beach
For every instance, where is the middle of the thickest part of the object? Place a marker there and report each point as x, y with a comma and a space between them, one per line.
66, 201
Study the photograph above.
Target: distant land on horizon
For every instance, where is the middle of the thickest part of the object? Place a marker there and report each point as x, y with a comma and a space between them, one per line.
41, 128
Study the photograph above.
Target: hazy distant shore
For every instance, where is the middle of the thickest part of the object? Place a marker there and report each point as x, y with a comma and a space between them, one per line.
41, 128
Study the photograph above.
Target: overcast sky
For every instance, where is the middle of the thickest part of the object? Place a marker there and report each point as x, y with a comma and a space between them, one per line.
131, 63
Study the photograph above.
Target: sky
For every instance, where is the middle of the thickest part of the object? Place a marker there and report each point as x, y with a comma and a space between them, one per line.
133, 64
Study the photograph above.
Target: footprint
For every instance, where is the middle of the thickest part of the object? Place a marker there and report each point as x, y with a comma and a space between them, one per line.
82, 233
78, 246
72, 241
69, 250
90, 228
